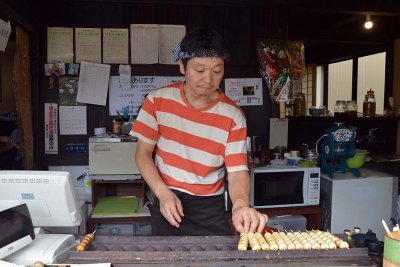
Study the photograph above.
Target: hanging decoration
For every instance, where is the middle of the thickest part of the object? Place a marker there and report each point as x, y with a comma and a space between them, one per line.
281, 65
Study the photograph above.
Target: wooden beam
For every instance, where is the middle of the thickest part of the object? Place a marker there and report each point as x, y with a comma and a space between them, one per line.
373, 7
10, 14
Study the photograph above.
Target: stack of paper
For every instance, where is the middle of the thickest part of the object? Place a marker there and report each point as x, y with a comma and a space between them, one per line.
116, 206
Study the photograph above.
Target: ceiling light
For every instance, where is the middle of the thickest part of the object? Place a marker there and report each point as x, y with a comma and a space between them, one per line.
368, 22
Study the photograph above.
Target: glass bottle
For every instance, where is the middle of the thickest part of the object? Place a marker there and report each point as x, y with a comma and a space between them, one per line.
352, 108
340, 109
369, 105
299, 105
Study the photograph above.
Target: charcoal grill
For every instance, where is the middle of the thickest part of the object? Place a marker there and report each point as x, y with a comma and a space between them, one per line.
206, 251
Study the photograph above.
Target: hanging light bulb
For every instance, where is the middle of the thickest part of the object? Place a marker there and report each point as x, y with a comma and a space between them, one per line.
368, 22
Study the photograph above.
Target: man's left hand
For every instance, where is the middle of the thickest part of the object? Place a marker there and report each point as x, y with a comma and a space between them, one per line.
246, 219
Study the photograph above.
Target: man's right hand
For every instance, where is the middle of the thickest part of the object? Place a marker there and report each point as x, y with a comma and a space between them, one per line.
171, 207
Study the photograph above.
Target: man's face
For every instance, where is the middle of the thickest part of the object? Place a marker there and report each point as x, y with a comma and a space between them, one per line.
203, 74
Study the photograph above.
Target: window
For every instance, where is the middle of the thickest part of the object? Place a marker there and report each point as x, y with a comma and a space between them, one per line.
370, 74
308, 86
339, 82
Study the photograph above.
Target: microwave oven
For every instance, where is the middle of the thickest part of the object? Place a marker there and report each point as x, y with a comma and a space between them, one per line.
289, 186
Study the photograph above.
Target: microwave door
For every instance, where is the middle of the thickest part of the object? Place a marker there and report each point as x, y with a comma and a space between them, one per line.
277, 189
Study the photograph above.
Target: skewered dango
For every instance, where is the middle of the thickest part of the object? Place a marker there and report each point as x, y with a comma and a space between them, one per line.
84, 244
308, 240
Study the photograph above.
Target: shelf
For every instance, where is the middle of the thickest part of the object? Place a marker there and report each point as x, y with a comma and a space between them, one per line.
102, 188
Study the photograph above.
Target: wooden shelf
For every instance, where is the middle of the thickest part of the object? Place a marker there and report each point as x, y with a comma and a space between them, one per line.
102, 188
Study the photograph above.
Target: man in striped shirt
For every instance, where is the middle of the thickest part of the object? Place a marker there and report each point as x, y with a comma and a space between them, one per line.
197, 134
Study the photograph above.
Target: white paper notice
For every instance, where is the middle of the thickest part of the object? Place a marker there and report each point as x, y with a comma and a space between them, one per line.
50, 128
144, 43
5, 30
115, 46
133, 98
73, 120
245, 92
93, 83
278, 132
88, 44
170, 35
60, 45
125, 76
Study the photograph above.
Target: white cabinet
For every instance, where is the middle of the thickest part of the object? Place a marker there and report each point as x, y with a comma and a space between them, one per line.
349, 201
113, 158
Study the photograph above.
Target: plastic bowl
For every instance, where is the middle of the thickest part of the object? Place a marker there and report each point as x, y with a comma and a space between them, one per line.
358, 160
315, 111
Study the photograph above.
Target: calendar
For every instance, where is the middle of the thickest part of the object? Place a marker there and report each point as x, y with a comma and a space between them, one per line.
73, 120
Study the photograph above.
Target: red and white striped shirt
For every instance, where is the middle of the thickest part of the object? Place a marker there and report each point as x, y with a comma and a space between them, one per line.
193, 146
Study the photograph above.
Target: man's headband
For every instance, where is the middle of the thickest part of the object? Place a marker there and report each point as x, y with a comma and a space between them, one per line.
178, 54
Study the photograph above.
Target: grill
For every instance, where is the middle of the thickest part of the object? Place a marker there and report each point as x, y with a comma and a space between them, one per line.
206, 251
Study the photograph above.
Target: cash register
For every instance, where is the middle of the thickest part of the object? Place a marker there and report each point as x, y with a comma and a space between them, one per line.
32, 201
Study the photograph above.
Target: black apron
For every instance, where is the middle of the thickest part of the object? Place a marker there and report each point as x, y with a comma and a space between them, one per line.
204, 216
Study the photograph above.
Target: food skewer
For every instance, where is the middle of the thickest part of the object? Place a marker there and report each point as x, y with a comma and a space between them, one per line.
84, 244
243, 242
307, 240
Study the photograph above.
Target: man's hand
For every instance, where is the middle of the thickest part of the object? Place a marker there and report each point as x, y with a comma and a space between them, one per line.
246, 219
171, 207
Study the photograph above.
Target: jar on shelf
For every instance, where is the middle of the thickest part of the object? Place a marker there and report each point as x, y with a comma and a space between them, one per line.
369, 104
352, 108
299, 105
340, 109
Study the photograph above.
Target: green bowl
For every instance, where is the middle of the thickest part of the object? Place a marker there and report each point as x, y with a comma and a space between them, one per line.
358, 160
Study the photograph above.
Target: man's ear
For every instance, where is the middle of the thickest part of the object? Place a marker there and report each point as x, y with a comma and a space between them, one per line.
181, 67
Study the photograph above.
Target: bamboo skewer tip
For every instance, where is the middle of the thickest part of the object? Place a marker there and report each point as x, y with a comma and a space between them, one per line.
387, 229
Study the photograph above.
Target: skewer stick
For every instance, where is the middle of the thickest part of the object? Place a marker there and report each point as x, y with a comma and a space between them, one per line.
387, 229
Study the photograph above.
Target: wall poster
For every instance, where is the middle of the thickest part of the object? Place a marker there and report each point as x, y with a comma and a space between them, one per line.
245, 92
50, 128
133, 98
